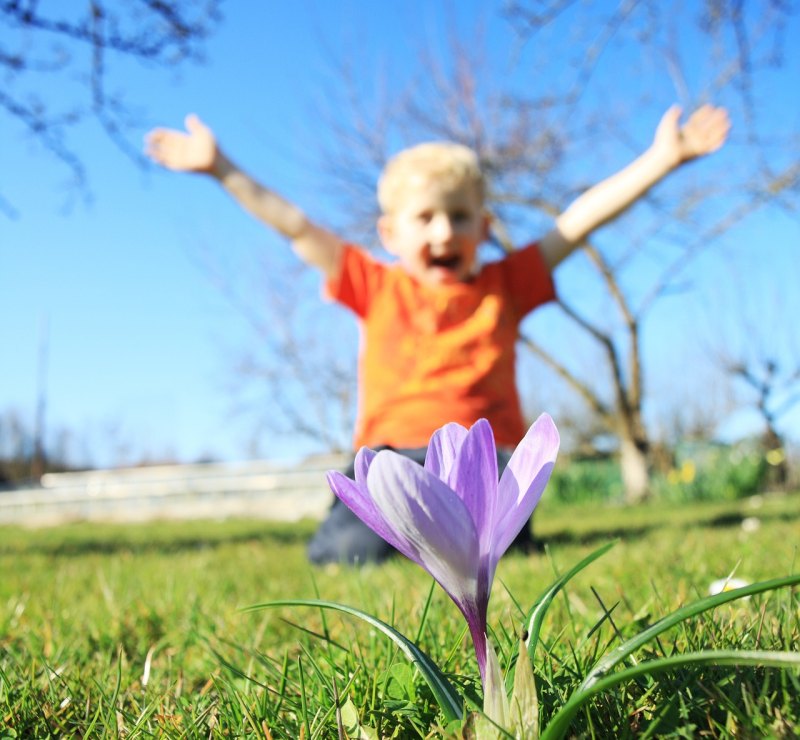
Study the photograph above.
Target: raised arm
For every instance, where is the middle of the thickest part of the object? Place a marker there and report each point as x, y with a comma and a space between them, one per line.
673, 145
196, 150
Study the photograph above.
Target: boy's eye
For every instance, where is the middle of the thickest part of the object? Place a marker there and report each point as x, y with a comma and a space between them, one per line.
459, 216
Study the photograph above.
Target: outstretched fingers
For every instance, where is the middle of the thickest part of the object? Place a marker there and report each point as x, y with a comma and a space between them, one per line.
705, 131
191, 150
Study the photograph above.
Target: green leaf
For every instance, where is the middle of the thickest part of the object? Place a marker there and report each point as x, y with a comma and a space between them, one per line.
449, 701
400, 682
524, 703
352, 725
495, 701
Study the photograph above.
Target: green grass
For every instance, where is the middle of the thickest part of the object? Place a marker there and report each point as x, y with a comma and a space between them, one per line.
137, 631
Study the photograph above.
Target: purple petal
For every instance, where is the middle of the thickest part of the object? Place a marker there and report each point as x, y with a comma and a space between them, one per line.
431, 519
364, 458
516, 518
523, 481
474, 478
357, 498
443, 450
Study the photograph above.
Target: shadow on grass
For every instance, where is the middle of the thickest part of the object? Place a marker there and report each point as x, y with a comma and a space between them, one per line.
729, 519
735, 519
162, 539
594, 536
83, 539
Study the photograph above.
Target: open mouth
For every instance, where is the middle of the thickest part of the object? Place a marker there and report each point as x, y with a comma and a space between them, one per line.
448, 263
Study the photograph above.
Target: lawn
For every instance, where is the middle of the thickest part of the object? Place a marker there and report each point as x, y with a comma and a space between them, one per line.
139, 631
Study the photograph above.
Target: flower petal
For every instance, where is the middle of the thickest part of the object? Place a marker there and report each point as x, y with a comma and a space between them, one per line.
364, 458
443, 450
357, 498
523, 481
474, 478
431, 519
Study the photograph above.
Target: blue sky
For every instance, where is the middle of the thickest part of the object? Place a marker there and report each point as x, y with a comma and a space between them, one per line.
138, 336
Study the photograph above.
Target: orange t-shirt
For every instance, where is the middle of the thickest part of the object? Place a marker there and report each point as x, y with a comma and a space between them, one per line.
435, 354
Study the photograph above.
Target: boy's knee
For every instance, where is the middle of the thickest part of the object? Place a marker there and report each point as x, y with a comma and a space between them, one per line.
343, 538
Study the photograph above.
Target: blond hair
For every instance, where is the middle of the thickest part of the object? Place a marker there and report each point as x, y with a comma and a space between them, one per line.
443, 161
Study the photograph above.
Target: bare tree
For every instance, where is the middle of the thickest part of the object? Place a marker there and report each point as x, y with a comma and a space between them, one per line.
570, 102
757, 346
538, 145
776, 389
18, 449
296, 373
86, 42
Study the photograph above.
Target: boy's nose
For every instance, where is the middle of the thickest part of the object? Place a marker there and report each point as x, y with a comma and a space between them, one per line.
442, 227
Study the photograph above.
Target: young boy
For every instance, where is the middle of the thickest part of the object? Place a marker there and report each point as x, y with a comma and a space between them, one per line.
438, 330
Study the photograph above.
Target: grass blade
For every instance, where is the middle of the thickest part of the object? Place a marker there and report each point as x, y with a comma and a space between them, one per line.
449, 701
605, 664
597, 679
537, 612
425, 610
559, 724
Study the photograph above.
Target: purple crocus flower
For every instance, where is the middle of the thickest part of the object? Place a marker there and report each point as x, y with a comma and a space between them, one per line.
452, 516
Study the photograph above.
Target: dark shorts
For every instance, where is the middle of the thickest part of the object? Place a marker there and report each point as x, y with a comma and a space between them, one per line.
344, 538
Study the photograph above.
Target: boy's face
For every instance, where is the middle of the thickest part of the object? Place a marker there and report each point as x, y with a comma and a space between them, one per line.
436, 231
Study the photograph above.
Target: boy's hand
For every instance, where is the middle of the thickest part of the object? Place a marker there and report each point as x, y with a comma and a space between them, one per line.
704, 133
193, 151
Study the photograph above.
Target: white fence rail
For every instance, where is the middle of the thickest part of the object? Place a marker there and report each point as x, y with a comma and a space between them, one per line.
205, 491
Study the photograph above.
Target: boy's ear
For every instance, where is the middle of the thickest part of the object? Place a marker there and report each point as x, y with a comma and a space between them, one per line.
386, 232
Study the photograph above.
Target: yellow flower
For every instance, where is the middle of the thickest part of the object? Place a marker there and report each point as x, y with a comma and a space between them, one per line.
688, 471
776, 457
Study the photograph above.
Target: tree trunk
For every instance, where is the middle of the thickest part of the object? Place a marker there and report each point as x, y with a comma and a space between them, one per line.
635, 471
777, 465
